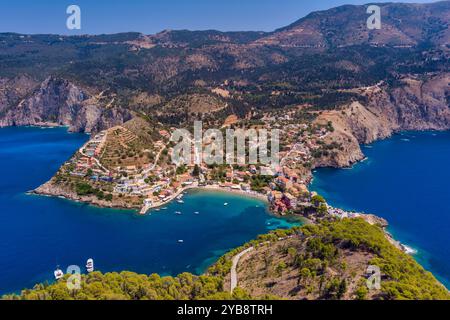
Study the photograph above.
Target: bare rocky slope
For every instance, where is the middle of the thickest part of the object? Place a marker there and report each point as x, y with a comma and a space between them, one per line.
58, 102
418, 104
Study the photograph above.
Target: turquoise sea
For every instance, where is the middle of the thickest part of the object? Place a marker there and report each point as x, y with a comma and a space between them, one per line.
37, 233
405, 179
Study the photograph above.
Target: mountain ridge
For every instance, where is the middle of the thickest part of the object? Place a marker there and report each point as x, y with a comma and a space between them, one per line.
309, 62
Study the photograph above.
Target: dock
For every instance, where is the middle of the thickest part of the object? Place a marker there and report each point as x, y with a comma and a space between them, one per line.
145, 209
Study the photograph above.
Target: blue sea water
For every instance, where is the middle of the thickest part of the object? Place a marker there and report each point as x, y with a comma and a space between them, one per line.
405, 179
38, 233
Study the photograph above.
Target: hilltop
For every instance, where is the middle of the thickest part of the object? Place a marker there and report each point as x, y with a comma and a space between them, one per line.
326, 261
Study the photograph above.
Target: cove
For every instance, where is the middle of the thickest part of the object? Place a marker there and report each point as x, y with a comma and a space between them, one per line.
39, 233
405, 180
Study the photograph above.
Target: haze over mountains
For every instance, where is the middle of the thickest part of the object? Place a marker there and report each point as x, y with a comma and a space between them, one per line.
93, 82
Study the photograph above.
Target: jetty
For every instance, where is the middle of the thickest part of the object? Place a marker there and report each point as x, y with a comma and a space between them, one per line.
145, 208
150, 205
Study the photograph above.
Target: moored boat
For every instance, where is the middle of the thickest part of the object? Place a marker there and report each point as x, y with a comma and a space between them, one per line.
58, 273
90, 265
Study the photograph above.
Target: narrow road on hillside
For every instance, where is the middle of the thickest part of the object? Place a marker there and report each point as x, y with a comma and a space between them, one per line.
236, 259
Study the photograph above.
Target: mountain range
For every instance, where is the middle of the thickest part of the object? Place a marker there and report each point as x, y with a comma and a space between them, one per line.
93, 82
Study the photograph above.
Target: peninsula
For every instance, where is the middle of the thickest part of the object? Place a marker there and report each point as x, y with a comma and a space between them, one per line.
326, 82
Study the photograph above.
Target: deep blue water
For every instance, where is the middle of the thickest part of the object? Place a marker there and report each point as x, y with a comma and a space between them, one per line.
406, 179
38, 233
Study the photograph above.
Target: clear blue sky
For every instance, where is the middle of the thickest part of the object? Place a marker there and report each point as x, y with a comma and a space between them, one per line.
151, 16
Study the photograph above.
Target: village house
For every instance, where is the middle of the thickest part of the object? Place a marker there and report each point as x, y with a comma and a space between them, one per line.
289, 200
164, 134
266, 190
290, 174
273, 196
267, 171
283, 182
148, 202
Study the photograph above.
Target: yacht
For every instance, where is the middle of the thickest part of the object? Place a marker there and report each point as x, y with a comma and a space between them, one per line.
90, 265
58, 273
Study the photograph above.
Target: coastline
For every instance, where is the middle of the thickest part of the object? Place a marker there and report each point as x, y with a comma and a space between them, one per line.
49, 190
410, 248
52, 190
250, 194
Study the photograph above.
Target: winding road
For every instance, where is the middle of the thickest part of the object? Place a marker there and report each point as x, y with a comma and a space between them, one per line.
235, 261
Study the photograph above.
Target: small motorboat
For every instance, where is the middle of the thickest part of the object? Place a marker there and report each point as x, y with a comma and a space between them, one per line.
196, 213
90, 265
180, 201
178, 212
58, 273
180, 241
225, 204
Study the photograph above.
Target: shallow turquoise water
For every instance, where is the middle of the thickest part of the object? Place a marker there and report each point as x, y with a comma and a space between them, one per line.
38, 233
406, 179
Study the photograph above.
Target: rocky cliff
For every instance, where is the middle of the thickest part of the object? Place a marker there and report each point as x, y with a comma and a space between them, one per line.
414, 104
55, 102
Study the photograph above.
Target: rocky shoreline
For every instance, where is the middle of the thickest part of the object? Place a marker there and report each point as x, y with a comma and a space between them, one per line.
51, 190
